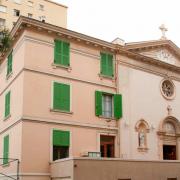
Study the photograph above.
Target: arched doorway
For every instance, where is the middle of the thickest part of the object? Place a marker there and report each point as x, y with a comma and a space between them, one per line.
168, 136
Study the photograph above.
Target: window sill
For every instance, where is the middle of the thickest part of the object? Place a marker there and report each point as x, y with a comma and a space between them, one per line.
68, 68
61, 111
108, 118
5, 165
102, 76
9, 75
7, 117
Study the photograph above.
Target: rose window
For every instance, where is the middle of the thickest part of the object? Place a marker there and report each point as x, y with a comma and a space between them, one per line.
167, 88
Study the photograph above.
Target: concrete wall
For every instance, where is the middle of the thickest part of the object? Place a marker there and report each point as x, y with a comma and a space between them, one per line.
116, 169
55, 14
142, 99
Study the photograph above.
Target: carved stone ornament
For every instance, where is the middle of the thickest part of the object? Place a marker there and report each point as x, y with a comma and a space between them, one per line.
165, 56
167, 89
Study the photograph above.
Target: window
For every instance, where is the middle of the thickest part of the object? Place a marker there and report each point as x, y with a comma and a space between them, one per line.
61, 53
61, 143
17, 1
2, 22
30, 15
3, 9
16, 12
6, 150
107, 68
41, 7
168, 89
30, 3
61, 97
108, 105
9, 64
42, 18
169, 128
7, 104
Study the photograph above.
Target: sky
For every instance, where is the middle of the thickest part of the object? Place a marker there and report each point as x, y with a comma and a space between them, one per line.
130, 20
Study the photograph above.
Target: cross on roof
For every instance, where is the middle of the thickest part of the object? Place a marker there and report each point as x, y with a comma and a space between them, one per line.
163, 30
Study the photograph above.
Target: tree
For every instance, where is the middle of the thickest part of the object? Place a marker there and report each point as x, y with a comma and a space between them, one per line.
5, 40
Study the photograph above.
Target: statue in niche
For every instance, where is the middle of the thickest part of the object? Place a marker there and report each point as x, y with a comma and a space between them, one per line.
142, 139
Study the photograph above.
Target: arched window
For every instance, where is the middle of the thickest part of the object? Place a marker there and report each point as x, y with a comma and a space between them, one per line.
142, 128
169, 128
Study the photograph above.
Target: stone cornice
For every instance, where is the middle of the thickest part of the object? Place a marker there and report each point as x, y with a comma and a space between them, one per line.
148, 45
148, 60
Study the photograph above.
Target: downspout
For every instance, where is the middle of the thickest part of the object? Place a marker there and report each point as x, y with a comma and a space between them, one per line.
117, 91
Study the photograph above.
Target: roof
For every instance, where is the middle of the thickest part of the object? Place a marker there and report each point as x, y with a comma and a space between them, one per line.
56, 3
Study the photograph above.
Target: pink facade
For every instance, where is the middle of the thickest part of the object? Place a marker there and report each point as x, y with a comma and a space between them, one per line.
32, 118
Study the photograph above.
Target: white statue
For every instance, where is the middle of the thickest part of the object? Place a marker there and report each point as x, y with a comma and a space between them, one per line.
141, 138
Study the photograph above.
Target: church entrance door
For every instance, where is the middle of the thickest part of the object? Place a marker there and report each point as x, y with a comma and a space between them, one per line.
107, 146
169, 152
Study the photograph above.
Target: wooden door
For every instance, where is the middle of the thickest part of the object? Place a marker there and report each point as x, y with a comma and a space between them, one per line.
107, 146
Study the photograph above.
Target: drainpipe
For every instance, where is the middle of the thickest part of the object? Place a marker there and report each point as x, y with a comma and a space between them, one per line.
117, 91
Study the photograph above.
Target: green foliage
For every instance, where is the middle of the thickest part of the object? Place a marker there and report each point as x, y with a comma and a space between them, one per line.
5, 40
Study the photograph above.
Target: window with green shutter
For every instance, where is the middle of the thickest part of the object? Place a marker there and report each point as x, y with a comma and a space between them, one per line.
61, 53
6, 150
61, 143
9, 64
61, 97
107, 66
108, 105
7, 104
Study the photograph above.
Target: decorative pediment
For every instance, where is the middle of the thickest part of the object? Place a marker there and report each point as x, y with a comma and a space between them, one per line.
162, 50
164, 55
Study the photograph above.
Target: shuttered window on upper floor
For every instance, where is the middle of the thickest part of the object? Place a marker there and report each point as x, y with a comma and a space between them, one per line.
108, 105
7, 104
61, 97
9, 63
107, 66
61, 53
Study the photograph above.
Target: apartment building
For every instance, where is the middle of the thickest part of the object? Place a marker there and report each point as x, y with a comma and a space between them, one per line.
74, 107
42, 10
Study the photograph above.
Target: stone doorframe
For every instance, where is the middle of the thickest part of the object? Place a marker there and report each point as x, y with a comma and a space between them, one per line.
165, 138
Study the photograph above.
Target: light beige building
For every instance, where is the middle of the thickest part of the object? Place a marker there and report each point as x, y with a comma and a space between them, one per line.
74, 107
42, 10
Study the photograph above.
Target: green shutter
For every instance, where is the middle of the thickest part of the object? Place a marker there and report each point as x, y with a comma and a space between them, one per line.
61, 97
57, 52
98, 103
117, 106
9, 64
61, 53
6, 149
65, 55
107, 64
7, 104
110, 65
103, 64
61, 138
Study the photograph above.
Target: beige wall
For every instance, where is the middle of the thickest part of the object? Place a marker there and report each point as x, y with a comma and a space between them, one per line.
55, 14
142, 99
113, 169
